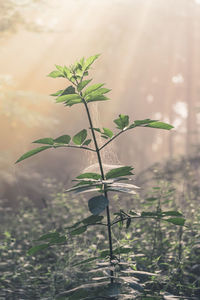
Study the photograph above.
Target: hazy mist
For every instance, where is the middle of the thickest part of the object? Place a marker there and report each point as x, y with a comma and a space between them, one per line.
150, 55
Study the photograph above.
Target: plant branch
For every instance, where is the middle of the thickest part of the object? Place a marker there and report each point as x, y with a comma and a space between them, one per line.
114, 137
77, 147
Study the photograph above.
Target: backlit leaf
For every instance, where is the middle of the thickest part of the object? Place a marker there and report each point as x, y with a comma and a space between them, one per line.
89, 61
80, 137
108, 132
97, 204
63, 139
92, 88
122, 122
58, 93
159, 125
74, 101
47, 141
55, 74
32, 152
83, 84
151, 123
59, 68
97, 98
68, 97
96, 94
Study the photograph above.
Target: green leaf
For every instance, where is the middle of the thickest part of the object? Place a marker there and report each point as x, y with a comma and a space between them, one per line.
87, 142
104, 253
67, 72
47, 141
80, 137
122, 122
92, 88
63, 139
86, 261
92, 220
78, 189
79, 230
90, 176
67, 98
69, 90
151, 123
90, 61
151, 214
97, 95
97, 204
172, 213
141, 123
151, 199
159, 125
58, 93
59, 68
97, 129
32, 152
122, 250
118, 172
98, 98
104, 136
48, 236
121, 189
55, 74
108, 132
83, 84
37, 248
176, 221
74, 101
58, 240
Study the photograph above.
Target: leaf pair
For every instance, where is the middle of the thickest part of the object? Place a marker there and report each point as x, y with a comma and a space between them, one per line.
62, 141
123, 123
90, 182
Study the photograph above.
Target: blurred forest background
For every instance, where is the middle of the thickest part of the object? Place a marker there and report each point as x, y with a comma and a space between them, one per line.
150, 59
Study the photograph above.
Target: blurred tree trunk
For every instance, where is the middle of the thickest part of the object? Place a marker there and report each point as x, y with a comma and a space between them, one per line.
190, 63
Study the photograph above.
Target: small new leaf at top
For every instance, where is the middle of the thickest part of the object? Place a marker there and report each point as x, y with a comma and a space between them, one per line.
89, 61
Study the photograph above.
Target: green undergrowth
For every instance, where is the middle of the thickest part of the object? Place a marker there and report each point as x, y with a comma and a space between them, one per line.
161, 259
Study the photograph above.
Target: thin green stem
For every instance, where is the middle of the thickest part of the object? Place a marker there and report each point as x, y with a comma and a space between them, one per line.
105, 192
97, 150
114, 137
77, 147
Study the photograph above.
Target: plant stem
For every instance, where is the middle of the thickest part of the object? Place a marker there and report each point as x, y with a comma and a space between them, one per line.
105, 192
